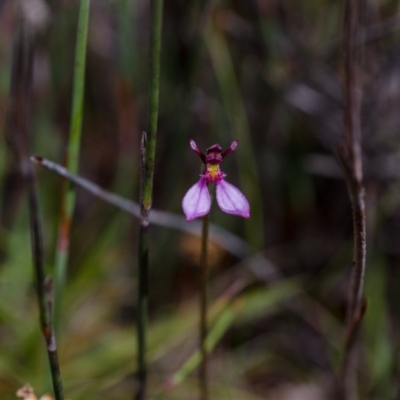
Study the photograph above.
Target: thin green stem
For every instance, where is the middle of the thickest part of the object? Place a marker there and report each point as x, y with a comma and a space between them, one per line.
155, 50
72, 158
148, 150
143, 262
142, 302
203, 376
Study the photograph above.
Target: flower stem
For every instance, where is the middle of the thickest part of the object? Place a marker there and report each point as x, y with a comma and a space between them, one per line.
219, 328
73, 151
203, 376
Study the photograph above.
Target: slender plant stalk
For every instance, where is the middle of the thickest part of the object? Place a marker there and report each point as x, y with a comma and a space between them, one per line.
72, 158
203, 373
223, 311
353, 147
350, 158
19, 127
143, 262
148, 151
44, 292
155, 50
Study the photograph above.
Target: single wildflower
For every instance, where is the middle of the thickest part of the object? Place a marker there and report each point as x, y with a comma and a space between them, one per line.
197, 201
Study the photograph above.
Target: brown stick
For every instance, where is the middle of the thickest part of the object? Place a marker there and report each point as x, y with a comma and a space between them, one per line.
19, 121
350, 157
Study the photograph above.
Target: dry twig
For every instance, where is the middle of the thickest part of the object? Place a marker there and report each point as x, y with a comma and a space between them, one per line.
350, 158
19, 126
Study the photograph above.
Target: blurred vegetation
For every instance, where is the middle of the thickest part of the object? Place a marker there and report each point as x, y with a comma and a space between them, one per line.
268, 73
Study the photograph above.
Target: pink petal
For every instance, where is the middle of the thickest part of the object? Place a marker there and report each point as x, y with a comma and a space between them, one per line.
197, 200
231, 200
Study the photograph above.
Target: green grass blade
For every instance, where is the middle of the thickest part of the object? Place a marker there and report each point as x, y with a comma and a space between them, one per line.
73, 151
217, 331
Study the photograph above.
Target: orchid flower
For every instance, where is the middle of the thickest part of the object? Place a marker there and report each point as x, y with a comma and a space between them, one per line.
197, 201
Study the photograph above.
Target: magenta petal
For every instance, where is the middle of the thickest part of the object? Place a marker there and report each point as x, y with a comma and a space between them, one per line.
231, 200
197, 200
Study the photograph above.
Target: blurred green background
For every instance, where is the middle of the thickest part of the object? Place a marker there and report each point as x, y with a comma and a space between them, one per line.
265, 72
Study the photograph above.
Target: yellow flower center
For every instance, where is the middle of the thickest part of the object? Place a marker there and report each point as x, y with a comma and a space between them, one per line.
213, 173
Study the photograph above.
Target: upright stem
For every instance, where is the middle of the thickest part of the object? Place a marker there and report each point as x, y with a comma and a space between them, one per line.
44, 292
203, 309
155, 50
72, 157
19, 129
148, 151
353, 147
142, 309
143, 262
350, 158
